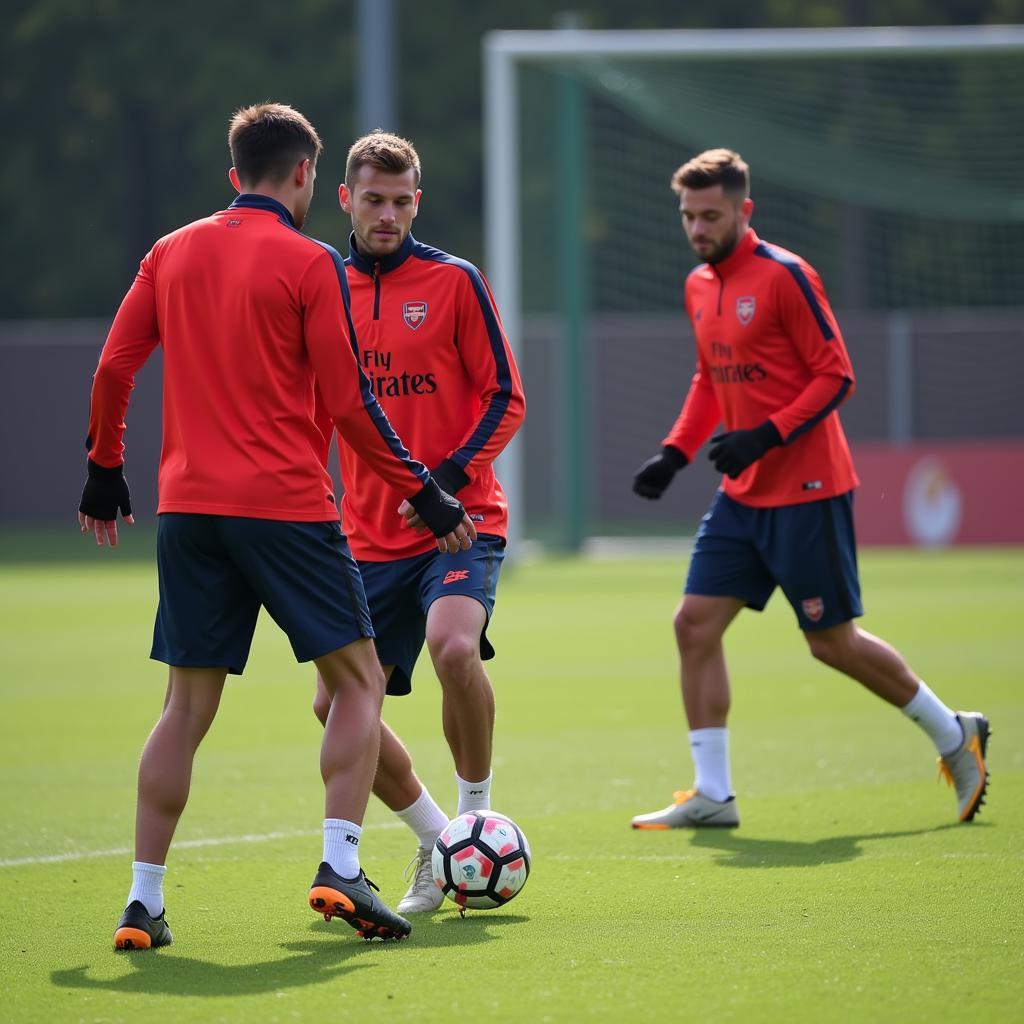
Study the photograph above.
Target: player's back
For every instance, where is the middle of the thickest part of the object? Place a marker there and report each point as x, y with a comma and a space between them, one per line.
239, 437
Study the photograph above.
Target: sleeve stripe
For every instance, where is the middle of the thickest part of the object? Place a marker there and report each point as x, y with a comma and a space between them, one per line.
767, 252
495, 413
370, 403
821, 414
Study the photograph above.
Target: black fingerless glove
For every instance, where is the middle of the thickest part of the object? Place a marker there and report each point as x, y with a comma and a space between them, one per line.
440, 512
106, 491
449, 476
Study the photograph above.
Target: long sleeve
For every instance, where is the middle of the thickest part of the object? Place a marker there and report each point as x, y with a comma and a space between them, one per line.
132, 337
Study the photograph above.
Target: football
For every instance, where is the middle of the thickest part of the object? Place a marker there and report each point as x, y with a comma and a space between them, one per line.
481, 860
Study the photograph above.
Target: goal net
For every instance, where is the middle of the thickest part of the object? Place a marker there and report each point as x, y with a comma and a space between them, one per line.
889, 159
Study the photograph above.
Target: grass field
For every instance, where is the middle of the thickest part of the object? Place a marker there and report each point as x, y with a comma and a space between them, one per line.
848, 894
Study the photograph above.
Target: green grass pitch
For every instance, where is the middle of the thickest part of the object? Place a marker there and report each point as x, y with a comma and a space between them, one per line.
848, 894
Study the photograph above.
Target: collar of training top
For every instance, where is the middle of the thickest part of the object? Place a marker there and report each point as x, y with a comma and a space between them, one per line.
257, 201
744, 247
384, 263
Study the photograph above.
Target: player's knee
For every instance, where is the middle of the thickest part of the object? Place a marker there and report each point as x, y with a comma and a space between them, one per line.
693, 630
830, 649
456, 658
321, 706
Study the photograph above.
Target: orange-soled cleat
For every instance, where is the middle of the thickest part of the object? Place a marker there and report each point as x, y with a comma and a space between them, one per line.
137, 930
354, 901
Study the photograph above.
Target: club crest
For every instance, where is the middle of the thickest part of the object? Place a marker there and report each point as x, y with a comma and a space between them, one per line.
745, 309
414, 313
813, 607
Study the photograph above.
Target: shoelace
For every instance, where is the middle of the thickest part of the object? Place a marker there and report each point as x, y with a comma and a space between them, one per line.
375, 888
680, 796
420, 865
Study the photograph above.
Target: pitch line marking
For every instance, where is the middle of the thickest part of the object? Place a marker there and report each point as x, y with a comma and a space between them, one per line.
185, 844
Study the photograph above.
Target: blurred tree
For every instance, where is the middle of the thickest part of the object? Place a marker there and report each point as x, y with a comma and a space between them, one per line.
122, 108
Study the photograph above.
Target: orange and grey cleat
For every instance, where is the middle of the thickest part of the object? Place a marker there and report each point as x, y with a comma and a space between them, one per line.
691, 809
354, 901
137, 930
965, 768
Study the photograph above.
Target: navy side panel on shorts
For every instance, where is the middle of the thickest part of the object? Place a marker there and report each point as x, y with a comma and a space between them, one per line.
401, 592
217, 571
809, 550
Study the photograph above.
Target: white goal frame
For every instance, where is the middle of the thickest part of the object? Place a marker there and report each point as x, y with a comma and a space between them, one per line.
503, 52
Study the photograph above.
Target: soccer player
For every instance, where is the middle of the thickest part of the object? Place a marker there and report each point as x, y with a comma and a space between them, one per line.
250, 314
772, 366
433, 346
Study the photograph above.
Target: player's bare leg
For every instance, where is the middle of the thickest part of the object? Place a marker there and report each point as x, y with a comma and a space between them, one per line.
866, 658
353, 680
165, 770
454, 626
165, 776
961, 738
700, 623
398, 787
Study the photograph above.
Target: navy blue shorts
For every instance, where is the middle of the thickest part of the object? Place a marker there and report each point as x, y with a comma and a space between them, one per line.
217, 571
809, 550
399, 594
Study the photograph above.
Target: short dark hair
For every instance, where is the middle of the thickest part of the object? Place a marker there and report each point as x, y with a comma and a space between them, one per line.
389, 153
714, 167
268, 139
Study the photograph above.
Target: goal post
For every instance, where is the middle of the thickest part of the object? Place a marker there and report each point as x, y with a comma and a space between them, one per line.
889, 157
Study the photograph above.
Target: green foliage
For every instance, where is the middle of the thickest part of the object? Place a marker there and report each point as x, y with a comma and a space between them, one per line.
120, 112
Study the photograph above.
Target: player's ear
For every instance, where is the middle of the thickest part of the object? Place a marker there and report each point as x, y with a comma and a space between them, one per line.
416, 202
233, 178
303, 169
345, 197
747, 207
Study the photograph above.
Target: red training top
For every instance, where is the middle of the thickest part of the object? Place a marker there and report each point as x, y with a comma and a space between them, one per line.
247, 309
432, 344
769, 347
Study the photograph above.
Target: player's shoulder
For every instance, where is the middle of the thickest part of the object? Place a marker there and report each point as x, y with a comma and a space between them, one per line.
779, 260
445, 262
698, 275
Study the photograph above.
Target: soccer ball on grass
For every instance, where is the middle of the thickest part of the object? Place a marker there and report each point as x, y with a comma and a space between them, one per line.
481, 860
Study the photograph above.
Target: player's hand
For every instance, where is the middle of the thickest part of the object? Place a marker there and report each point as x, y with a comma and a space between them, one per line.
105, 492
736, 450
444, 517
460, 539
654, 476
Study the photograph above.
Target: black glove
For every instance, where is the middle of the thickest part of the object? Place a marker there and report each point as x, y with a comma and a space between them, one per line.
735, 450
440, 512
105, 492
449, 476
656, 474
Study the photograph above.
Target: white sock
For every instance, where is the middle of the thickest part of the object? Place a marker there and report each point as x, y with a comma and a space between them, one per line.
936, 719
148, 886
425, 818
474, 796
710, 750
341, 846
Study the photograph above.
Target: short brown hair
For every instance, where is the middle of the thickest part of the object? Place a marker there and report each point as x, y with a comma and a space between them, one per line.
268, 139
714, 167
389, 153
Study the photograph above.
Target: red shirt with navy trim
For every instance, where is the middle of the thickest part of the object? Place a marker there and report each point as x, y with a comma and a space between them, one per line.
769, 347
432, 345
249, 313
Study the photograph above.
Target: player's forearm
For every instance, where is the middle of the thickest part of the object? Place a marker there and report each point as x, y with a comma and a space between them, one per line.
503, 415
822, 396
697, 419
